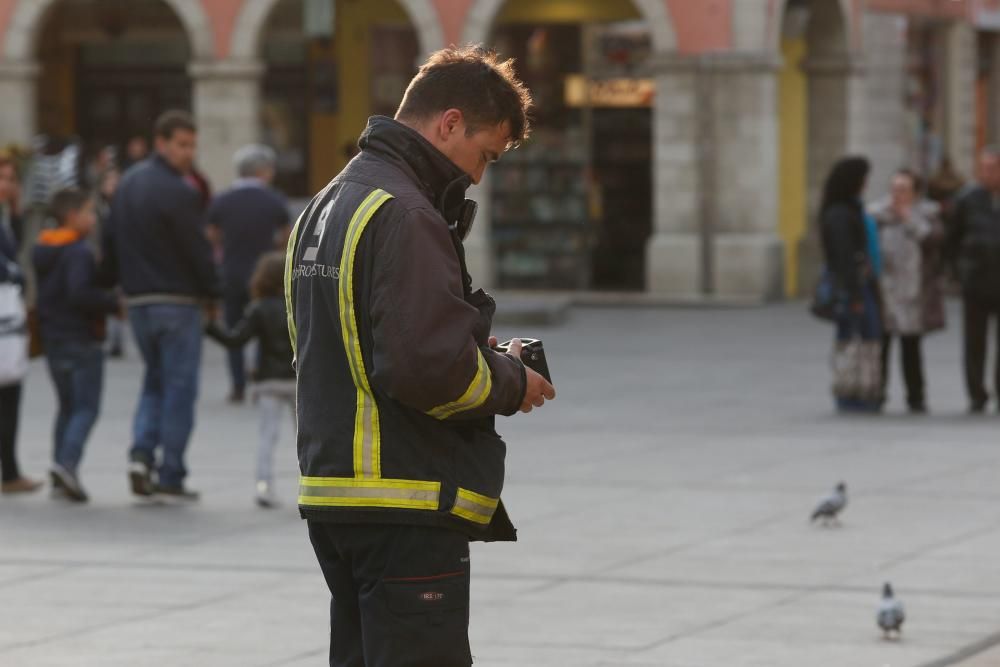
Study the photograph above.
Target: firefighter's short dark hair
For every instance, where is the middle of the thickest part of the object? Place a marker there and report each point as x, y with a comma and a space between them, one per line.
475, 81
172, 121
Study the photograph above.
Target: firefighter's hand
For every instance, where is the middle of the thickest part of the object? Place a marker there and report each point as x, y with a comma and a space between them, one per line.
538, 389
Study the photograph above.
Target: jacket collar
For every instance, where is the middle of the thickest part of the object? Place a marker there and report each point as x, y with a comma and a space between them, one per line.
162, 162
442, 180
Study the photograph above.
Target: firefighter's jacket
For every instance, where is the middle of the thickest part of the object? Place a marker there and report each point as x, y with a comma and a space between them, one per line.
397, 387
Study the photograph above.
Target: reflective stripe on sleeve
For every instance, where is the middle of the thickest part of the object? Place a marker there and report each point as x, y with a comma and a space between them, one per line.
349, 492
477, 393
474, 507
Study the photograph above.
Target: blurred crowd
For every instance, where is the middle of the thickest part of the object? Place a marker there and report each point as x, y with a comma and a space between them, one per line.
90, 242
889, 264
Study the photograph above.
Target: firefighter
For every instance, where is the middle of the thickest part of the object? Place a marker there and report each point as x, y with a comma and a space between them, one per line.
398, 379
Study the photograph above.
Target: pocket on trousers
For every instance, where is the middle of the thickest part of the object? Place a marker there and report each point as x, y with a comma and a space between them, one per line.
427, 595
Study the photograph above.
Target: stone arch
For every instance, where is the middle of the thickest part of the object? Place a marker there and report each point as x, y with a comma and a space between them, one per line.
29, 18
757, 28
251, 21
480, 18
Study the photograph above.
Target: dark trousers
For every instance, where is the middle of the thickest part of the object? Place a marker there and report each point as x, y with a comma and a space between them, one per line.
400, 594
913, 368
10, 407
77, 370
977, 316
234, 303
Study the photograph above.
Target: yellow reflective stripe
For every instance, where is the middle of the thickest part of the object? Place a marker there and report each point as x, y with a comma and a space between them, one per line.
474, 506
289, 270
367, 438
351, 492
477, 393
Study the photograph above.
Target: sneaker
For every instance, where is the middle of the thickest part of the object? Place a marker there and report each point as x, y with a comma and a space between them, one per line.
265, 497
20, 485
140, 475
176, 494
68, 483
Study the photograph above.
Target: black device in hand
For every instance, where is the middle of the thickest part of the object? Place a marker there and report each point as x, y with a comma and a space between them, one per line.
532, 355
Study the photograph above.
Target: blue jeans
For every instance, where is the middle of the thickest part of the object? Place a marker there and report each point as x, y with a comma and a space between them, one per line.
169, 338
77, 370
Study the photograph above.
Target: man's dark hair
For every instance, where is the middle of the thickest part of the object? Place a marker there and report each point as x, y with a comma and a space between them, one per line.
475, 81
66, 201
172, 121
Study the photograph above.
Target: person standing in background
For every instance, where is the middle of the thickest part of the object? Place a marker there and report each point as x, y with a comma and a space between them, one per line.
851, 254
973, 250
249, 219
912, 303
10, 394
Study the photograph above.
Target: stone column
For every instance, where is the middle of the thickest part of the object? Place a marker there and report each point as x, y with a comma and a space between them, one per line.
18, 85
748, 257
674, 251
227, 110
836, 124
960, 96
479, 245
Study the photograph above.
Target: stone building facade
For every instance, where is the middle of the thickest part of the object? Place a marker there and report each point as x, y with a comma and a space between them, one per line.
753, 101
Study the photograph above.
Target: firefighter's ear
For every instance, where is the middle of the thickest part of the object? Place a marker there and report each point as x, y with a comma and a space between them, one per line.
451, 124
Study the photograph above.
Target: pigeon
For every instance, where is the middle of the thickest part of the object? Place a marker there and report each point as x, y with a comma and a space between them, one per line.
832, 505
890, 614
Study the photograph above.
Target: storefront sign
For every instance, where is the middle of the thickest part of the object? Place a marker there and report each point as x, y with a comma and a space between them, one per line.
622, 93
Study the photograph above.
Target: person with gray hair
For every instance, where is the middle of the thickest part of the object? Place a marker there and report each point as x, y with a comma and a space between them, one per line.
973, 251
255, 161
249, 219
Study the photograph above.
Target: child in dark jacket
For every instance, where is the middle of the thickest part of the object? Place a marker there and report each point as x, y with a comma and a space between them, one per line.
71, 312
274, 381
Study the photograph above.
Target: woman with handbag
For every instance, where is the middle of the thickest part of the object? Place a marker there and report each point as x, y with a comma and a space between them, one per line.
910, 235
13, 345
850, 247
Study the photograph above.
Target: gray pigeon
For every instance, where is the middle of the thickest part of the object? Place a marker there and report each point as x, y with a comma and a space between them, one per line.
890, 614
832, 505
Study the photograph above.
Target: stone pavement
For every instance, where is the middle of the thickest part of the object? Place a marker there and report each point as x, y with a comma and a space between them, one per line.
661, 500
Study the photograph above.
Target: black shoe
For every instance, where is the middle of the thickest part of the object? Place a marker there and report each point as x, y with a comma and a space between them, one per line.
67, 484
236, 397
176, 494
918, 409
977, 407
140, 475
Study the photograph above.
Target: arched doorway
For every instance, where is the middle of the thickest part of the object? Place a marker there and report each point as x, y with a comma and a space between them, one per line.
813, 107
320, 85
107, 71
572, 208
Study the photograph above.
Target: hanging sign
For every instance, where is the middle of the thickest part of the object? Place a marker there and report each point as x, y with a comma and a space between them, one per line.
621, 93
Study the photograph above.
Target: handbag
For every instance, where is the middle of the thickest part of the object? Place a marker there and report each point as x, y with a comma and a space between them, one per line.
857, 370
13, 335
824, 301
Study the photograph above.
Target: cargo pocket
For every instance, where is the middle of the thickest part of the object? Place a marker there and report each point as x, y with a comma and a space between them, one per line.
438, 597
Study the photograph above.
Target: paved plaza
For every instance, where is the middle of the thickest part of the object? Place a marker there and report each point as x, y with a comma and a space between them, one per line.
661, 500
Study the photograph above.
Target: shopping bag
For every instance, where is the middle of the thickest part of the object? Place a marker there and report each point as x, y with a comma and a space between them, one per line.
857, 370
